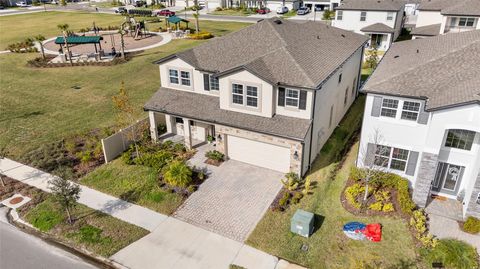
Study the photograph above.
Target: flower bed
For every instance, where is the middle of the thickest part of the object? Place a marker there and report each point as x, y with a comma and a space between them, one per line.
294, 189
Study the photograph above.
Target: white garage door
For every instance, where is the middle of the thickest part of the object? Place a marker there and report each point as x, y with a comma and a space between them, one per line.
259, 153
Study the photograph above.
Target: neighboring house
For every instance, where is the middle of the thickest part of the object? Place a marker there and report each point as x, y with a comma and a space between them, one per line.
423, 106
321, 5
380, 20
268, 97
437, 17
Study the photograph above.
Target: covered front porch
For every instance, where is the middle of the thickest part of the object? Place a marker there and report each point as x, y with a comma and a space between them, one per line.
381, 36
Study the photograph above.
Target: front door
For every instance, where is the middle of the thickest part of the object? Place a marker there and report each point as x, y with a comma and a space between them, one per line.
448, 178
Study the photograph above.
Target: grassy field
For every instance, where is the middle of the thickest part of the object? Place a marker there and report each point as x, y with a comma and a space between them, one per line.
40, 105
97, 232
328, 246
231, 12
134, 183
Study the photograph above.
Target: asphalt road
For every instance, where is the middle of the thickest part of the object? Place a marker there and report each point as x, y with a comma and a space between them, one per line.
19, 250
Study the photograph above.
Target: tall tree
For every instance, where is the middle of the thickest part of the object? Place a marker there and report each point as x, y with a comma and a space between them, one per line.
40, 39
374, 160
196, 7
66, 193
64, 29
127, 117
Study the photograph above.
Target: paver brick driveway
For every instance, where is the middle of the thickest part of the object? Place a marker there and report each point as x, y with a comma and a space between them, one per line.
232, 200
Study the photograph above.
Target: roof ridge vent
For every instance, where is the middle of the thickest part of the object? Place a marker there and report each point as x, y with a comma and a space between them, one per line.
418, 50
342, 35
396, 56
318, 37
277, 21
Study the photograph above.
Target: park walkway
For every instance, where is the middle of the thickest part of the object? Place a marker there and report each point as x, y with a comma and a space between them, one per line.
128, 212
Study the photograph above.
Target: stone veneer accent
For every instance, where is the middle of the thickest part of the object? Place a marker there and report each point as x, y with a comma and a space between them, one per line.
473, 209
426, 174
295, 165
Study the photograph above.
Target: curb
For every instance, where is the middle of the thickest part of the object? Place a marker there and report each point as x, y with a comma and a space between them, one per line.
15, 220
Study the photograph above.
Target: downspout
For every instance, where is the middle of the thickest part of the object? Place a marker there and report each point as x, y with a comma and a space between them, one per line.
311, 131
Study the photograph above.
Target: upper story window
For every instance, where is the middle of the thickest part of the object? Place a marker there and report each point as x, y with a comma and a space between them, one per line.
252, 96
237, 94
292, 97
466, 22
173, 74
390, 157
245, 95
389, 108
178, 120
185, 78
389, 16
214, 83
410, 110
460, 139
363, 16
339, 15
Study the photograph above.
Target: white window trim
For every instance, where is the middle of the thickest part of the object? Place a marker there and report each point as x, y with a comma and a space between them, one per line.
170, 76
292, 98
390, 108
339, 15
188, 78
251, 96
413, 111
180, 85
392, 15
390, 158
365, 17
244, 105
210, 78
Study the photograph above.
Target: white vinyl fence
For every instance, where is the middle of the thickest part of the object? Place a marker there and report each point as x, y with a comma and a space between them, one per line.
116, 144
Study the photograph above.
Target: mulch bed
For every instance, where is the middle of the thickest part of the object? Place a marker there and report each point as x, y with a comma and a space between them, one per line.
13, 186
213, 162
364, 211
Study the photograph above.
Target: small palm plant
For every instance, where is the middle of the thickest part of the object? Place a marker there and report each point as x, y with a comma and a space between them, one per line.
64, 29
291, 181
177, 173
40, 39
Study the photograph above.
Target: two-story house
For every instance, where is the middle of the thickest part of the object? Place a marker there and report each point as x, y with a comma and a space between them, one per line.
271, 94
422, 117
380, 20
436, 17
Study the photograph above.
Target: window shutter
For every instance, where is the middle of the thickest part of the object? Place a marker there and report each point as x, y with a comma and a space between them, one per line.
303, 100
412, 163
206, 82
377, 106
422, 115
369, 157
281, 96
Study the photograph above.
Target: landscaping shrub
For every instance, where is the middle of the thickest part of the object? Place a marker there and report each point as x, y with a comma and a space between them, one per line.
179, 148
201, 35
215, 155
472, 225
357, 174
352, 192
388, 207
22, 47
284, 200
404, 199
419, 222
127, 157
291, 181
377, 206
453, 254
155, 160
297, 197
177, 173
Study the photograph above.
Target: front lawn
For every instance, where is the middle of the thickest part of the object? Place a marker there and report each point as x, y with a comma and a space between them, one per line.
232, 12
328, 247
45, 105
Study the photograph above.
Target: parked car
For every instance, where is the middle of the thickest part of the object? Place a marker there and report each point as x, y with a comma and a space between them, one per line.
54, 2
303, 11
121, 10
263, 10
166, 13
140, 3
282, 10
22, 4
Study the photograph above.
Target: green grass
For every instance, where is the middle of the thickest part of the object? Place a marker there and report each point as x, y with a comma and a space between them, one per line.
366, 72
231, 12
134, 183
453, 254
290, 13
95, 231
39, 105
328, 246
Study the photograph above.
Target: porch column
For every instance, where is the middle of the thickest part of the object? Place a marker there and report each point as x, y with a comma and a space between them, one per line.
296, 155
473, 209
153, 126
187, 133
426, 174
169, 122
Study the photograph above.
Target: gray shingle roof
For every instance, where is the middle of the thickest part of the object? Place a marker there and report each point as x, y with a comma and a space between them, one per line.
428, 30
381, 5
449, 7
207, 108
279, 51
443, 69
378, 28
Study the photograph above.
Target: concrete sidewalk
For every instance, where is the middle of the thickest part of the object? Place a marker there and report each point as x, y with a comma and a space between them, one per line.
128, 212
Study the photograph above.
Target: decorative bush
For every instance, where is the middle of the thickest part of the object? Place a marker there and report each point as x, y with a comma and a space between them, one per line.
177, 173
472, 225
297, 197
201, 35
419, 222
291, 181
388, 207
215, 155
284, 200
453, 254
357, 174
404, 199
377, 206
179, 148
306, 185
155, 160
352, 192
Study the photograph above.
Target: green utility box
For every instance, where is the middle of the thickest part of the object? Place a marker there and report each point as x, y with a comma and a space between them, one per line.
302, 223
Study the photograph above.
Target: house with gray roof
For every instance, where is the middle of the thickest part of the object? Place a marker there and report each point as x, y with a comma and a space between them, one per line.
267, 97
380, 20
422, 118
436, 17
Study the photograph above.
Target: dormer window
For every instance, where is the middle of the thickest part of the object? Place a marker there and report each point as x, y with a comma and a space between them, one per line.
245, 95
389, 108
363, 16
291, 97
237, 94
460, 139
185, 78
173, 76
389, 16
410, 110
179, 77
339, 15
